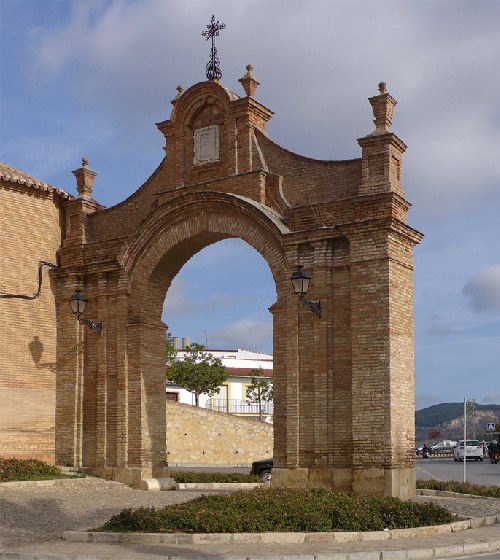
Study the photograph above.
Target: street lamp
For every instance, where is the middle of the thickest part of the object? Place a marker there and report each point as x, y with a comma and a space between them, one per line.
78, 303
300, 281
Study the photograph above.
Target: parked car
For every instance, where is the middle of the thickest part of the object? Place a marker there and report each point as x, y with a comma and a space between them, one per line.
473, 449
262, 468
444, 446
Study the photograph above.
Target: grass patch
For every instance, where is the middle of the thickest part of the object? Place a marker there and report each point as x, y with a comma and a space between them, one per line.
279, 509
180, 476
29, 469
460, 487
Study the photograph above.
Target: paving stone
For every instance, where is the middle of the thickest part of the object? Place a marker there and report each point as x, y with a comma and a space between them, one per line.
34, 518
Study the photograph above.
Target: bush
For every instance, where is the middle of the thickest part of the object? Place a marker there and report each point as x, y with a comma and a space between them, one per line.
460, 487
28, 469
213, 477
279, 509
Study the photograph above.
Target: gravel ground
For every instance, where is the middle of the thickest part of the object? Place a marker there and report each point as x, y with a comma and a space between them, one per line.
37, 512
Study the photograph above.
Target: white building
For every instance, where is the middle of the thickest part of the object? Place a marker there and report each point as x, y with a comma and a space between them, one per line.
231, 396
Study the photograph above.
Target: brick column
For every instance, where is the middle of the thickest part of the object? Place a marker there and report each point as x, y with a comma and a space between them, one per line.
146, 453
286, 391
382, 361
69, 377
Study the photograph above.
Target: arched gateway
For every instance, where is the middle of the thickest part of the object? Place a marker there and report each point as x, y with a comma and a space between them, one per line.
343, 383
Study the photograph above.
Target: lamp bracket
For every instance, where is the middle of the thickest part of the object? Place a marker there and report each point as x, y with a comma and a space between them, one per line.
95, 326
314, 306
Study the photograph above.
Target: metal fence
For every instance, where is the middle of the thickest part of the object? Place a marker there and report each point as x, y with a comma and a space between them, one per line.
239, 406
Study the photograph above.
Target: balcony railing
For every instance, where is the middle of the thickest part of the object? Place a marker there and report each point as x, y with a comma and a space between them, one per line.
239, 406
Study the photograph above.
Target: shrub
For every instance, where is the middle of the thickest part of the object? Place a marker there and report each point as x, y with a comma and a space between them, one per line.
28, 469
213, 477
460, 487
279, 509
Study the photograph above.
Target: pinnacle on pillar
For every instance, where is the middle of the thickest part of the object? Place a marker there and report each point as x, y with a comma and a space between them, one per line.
84, 179
180, 91
383, 109
249, 82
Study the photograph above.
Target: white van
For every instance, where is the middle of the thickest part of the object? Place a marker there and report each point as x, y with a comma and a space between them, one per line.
445, 445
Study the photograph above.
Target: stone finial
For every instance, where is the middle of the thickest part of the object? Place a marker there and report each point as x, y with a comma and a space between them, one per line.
383, 108
84, 179
249, 82
180, 91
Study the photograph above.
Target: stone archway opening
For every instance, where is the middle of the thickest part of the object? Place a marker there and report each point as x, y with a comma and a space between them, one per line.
220, 299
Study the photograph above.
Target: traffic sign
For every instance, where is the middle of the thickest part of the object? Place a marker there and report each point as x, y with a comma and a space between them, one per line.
490, 427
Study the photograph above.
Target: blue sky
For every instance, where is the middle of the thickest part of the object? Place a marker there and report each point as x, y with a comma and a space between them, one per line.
90, 78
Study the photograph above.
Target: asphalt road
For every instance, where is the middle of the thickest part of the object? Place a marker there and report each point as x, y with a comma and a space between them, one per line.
494, 556
446, 469
433, 468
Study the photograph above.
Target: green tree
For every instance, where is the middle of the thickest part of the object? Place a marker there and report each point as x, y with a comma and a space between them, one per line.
199, 372
260, 390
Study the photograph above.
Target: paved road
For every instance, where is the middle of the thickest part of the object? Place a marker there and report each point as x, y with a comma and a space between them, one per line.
447, 469
494, 556
433, 468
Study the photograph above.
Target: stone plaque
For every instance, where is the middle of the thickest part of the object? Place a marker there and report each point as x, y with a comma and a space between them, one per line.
206, 145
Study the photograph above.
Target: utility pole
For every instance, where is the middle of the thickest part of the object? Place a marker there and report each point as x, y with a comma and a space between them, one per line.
471, 404
465, 440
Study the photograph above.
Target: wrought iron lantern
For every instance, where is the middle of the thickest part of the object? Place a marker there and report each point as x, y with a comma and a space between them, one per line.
300, 280
78, 303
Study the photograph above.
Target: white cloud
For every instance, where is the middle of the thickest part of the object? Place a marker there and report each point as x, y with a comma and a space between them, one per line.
183, 299
46, 156
129, 56
245, 333
484, 290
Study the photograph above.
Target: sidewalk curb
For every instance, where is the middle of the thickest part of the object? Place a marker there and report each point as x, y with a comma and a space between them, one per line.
219, 485
275, 537
445, 551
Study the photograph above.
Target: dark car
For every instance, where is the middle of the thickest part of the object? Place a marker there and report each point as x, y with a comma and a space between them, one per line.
262, 468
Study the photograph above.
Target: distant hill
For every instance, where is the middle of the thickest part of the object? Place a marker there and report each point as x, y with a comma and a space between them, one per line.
448, 419
445, 412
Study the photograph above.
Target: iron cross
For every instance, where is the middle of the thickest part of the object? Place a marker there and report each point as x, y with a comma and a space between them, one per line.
213, 70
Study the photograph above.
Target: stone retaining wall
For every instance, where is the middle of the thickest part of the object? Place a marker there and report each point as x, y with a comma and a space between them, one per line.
197, 436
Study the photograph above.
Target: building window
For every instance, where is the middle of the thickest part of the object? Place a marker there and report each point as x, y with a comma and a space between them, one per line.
172, 396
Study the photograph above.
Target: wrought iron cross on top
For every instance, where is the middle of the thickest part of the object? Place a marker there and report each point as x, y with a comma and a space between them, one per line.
213, 70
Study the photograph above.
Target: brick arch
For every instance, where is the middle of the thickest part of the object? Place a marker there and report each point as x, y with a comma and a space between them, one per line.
187, 224
196, 98
343, 382
162, 245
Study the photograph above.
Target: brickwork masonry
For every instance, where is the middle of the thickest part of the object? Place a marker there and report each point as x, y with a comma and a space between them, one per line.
196, 436
30, 233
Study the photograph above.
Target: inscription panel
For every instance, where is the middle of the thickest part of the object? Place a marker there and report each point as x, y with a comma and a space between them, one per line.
206, 145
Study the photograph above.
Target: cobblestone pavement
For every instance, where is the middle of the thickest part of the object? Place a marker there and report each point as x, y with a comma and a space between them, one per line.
40, 512
464, 507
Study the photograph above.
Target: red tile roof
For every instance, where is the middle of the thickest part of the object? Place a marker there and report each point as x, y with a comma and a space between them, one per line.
12, 175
